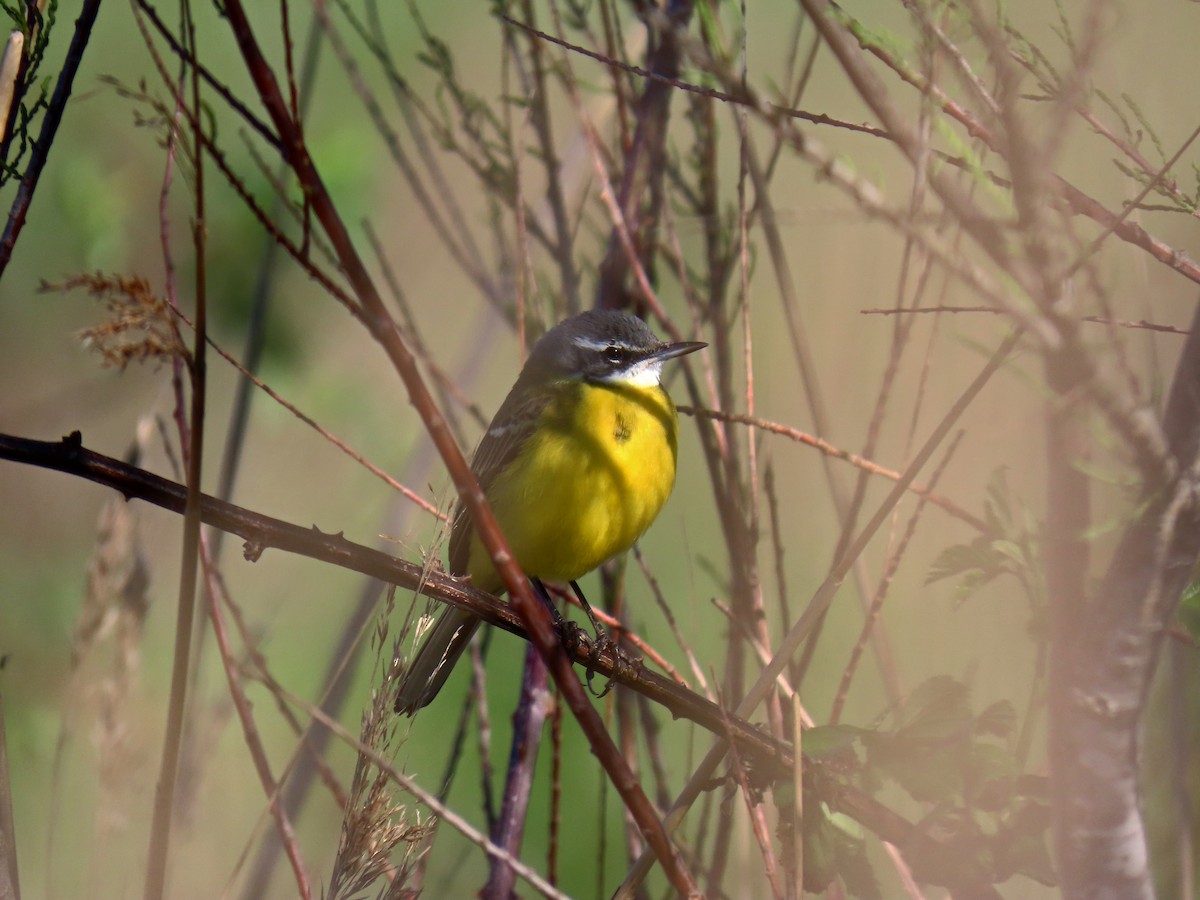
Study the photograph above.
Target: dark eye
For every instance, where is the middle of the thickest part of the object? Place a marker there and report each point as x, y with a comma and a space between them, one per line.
612, 354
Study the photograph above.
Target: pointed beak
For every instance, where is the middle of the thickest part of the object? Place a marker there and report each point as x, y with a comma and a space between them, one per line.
681, 348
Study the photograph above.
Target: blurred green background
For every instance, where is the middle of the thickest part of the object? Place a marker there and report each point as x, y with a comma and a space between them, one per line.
96, 210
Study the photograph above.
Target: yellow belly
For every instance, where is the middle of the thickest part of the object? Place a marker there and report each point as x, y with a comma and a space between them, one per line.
586, 485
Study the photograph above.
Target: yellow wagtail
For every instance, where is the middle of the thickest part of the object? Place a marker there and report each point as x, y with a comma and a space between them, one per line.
576, 465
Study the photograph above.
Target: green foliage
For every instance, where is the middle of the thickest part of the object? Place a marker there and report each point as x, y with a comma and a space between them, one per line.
1147, 128
575, 14
1064, 30
89, 202
1031, 56
825, 742
1010, 546
867, 37
15, 15
998, 720
955, 851
968, 156
1127, 112
473, 113
28, 102
1117, 110
1189, 610
833, 848
720, 44
985, 821
924, 754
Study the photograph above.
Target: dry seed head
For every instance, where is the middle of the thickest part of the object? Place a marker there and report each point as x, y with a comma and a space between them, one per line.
140, 326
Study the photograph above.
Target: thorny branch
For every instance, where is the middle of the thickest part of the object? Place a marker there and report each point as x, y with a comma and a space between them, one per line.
261, 533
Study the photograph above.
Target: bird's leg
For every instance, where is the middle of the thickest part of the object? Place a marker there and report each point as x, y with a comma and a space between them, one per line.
602, 641
567, 630
600, 631
544, 596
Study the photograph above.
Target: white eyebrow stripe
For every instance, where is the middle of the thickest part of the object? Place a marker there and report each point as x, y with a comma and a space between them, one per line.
588, 343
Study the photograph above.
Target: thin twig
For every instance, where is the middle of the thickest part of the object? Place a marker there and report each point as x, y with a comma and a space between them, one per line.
383, 330
164, 794
828, 449
262, 532
254, 744
53, 118
818, 605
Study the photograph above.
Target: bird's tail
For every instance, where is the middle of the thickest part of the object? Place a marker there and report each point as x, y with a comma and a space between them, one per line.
432, 665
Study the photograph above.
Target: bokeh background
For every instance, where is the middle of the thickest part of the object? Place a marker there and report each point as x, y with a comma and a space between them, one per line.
81, 827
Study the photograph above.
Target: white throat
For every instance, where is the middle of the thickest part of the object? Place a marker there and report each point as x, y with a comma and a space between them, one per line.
645, 374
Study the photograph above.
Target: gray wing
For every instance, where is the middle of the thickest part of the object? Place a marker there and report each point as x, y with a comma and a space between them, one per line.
510, 429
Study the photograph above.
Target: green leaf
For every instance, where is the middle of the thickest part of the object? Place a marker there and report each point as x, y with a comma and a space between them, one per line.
855, 868
926, 752
962, 558
1189, 610
929, 773
997, 508
1191, 593
1010, 550
950, 850
820, 863
834, 848
1144, 122
784, 795
846, 825
937, 709
992, 771
830, 740
1022, 845
18, 20
990, 761
998, 720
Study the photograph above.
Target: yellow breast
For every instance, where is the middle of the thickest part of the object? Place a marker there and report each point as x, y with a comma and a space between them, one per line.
587, 484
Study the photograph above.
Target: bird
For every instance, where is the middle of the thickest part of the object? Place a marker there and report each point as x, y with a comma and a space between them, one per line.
576, 465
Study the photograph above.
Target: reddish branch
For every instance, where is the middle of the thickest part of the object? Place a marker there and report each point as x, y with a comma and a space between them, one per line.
921, 490
262, 532
384, 331
1079, 202
819, 604
772, 758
